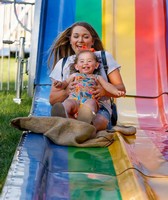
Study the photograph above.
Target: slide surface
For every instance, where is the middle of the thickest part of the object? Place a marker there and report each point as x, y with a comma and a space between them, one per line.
134, 167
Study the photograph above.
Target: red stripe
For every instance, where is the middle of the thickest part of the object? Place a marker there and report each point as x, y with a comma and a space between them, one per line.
150, 46
151, 68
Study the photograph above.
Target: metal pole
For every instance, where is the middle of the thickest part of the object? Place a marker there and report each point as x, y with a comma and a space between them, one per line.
19, 78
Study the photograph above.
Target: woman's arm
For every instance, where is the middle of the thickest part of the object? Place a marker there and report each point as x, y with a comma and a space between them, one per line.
60, 94
116, 79
57, 95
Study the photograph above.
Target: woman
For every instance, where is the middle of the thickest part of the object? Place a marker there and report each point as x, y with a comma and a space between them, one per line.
68, 44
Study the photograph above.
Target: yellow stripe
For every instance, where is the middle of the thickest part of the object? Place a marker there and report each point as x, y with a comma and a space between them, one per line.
125, 55
108, 26
118, 36
124, 22
127, 113
127, 180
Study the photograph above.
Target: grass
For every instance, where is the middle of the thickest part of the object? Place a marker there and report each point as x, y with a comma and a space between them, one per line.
8, 72
9, 136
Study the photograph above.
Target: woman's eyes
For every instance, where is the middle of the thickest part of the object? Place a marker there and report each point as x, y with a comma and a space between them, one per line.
76, 37
86, 37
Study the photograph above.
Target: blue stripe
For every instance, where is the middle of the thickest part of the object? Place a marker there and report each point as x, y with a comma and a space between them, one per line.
55, 17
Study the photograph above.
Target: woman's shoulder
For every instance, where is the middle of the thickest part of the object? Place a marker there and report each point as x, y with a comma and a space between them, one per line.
107, 53
68, 59
71, 58
104, 56
108, 60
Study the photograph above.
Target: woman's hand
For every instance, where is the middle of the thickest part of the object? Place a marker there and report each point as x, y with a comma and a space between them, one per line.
71, 86
71, 83
98, 91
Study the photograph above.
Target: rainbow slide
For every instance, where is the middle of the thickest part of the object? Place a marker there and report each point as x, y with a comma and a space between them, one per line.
132, 167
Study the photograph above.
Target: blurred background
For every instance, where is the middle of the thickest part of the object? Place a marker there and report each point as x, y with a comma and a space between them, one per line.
16, 22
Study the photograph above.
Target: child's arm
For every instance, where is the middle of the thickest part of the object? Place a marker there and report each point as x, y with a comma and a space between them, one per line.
63, 84
60, 84
109, 87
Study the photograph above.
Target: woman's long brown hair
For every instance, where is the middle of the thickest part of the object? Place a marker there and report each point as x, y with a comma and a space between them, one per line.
61, 47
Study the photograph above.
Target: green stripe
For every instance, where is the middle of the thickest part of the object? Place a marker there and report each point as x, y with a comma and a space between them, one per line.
90, 11
91, 174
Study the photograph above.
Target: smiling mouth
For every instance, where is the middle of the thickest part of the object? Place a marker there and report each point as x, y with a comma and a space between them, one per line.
85, 67
81, 46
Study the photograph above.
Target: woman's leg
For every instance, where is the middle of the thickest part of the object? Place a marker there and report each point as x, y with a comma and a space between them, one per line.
102, 121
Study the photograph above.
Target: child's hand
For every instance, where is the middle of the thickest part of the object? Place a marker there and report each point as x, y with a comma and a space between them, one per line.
57, 84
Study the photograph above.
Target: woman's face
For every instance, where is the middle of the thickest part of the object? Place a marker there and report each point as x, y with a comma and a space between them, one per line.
80, 37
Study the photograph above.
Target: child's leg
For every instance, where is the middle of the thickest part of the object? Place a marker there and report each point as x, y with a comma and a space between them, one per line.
87, 111
58, 110
66, 109
71, 106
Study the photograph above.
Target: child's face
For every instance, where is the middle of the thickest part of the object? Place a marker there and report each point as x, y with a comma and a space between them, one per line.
86, 63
